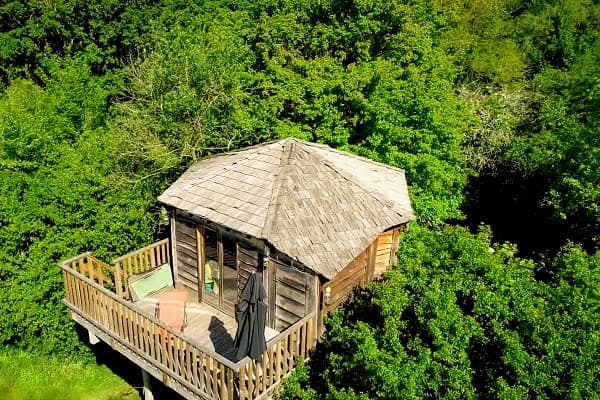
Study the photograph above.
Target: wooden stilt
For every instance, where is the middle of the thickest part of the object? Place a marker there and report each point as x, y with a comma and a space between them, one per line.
147, 386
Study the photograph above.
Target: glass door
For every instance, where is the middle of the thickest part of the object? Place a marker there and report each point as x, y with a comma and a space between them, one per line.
229, 281
220, 286
211, 269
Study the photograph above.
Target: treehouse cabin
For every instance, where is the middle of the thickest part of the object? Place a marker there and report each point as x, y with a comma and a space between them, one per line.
313, 223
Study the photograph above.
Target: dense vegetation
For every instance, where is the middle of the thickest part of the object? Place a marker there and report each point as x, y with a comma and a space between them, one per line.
491, 107
462, 318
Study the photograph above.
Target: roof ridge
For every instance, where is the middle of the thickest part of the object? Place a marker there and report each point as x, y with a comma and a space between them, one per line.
245, 156
350, 154
274, 204
238, 150
354, 182
351, 177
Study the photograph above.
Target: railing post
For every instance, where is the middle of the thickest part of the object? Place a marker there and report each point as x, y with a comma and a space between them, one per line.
118, 282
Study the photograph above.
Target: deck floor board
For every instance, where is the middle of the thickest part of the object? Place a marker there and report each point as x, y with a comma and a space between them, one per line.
206, 327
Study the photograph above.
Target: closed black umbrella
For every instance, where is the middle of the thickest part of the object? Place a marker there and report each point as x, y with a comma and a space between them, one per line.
250, 315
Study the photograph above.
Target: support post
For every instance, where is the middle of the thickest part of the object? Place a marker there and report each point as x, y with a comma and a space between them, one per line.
173, 243
146, 378
93, 338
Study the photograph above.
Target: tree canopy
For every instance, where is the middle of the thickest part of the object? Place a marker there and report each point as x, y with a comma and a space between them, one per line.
460, 317
491, 107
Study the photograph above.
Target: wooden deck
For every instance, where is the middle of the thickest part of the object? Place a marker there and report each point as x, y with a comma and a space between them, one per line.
206, 326
196, 363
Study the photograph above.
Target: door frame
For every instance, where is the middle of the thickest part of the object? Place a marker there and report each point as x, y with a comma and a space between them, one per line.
221, 304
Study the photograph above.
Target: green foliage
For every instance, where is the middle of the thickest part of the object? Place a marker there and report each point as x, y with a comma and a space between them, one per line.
33, 34
58, 197
191, 96
501, 89
368, 77
461, 318
571, 113
544, 123
294, 387
367, 80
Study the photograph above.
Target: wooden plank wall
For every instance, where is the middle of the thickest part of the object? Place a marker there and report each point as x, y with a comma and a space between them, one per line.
342, 285
371, 263
387, 245
187, 255
383, 258
292, 294
249, 260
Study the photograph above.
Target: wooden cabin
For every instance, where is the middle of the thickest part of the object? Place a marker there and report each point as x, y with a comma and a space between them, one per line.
312, 221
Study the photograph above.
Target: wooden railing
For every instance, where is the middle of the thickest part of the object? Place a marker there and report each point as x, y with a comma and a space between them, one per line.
258, 379
138, 262
92, 268
205, 373
92, 294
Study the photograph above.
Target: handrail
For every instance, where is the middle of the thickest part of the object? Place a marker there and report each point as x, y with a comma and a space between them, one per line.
92, 268
279, 336
203, 371
70, 260
154, 320
291, 328
137, 262
236, 366
256, 379
138, 251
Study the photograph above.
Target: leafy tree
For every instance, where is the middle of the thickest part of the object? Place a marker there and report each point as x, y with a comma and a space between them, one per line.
191, 96
331, 72
571, 112
462, 318
535, 145
33, 34
59, 196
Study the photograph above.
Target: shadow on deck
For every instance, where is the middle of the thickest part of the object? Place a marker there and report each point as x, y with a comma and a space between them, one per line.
206, 326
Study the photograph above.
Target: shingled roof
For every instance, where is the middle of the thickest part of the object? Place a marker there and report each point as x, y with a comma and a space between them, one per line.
318, 205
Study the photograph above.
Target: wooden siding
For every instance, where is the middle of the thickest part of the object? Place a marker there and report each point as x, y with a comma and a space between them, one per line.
355, 274
186, 246
292, 294
387, 245
371, 263
384, 252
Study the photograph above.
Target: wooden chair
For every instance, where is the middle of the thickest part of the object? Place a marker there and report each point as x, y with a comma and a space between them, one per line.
170, 310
